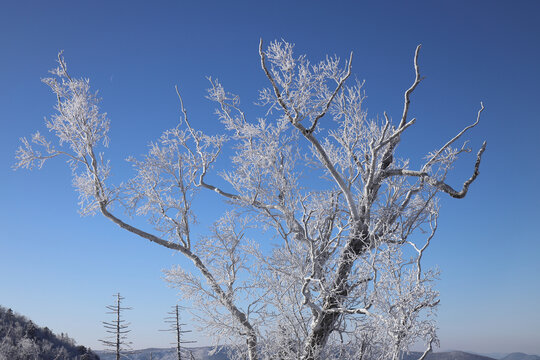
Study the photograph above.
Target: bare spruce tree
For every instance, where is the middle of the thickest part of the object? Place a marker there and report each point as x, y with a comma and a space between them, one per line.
352, 219
175, 326
117, 328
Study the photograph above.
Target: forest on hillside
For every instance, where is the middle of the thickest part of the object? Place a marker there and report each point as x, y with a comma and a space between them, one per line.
21, 339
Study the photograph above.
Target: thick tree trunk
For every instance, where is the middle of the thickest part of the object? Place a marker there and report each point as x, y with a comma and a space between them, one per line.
252, 347
329, 316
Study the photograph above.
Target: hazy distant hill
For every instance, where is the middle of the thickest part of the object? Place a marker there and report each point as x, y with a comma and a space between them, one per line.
520, 356
21, 339
199, 353
202, 353
451, 355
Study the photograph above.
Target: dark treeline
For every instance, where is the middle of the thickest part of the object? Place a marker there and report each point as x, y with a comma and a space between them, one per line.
21, 339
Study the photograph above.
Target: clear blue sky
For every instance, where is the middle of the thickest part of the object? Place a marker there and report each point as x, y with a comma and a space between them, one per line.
60, 269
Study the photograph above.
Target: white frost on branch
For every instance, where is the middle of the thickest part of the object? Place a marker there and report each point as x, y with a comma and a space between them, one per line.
339, 220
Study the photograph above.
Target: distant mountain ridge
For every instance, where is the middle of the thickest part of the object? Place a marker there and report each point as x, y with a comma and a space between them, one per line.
21, 339
449, 355
199, 353
203, 353
520, 356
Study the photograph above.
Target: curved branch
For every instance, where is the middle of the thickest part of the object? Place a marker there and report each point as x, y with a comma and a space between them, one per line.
441, 185
225, 300
411, 89
429, 348
460, 194
388, 155
451, 141
139, 232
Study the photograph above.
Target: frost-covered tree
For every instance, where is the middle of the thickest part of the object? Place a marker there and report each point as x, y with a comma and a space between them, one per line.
21, 339
353, 219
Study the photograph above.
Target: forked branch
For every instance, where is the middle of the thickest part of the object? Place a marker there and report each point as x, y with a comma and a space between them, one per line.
331, 98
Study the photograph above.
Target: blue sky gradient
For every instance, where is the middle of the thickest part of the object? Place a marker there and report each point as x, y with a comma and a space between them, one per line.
60, 269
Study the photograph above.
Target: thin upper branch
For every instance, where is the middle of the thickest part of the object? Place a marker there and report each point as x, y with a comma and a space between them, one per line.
388, 155
451, 141
411, 89
439, 184
274, 85
309, 136
329, 102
